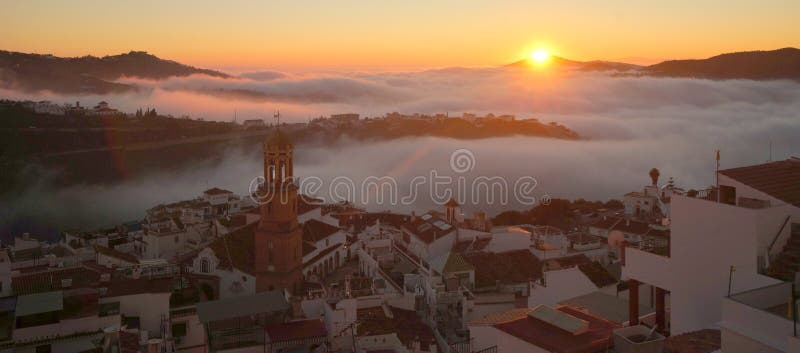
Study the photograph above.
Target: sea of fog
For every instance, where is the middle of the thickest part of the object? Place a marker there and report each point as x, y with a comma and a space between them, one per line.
630, 124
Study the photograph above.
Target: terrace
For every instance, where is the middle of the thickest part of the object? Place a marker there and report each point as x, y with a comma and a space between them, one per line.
59, 314
764, 314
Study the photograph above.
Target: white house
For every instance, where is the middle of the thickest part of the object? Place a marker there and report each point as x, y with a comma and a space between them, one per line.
722, 250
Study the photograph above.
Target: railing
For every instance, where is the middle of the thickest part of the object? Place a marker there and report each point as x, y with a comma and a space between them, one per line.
236, 338
492, 349
777, 235
464, 346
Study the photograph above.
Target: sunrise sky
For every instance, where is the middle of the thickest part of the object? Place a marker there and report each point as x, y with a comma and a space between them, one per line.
378, 34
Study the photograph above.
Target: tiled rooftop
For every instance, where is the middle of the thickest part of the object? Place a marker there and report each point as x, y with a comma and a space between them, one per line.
428, 227
516, 266
554, 339
314, 230
405, 323
296, 330
779, 179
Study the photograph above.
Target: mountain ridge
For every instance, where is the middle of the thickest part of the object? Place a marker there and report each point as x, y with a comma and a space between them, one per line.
88, 74
783, 63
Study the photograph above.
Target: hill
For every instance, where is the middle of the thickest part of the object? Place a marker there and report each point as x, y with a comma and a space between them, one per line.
757, 65
594, 65
87, 74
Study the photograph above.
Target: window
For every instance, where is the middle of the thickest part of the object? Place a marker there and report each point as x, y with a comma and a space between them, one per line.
205, 267
177, 239
179, 329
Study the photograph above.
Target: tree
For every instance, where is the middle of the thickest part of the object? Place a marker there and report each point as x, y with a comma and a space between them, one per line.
654, 174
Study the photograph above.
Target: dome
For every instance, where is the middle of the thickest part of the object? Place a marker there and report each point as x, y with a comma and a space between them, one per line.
279, 138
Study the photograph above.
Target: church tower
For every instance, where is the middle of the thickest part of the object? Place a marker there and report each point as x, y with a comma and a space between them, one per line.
279, 237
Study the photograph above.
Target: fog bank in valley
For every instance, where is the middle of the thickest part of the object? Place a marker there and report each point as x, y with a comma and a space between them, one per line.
630, 124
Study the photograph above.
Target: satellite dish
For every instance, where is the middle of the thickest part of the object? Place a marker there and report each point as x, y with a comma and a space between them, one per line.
615, 239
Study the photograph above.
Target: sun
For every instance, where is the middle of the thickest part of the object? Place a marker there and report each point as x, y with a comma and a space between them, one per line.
540, 55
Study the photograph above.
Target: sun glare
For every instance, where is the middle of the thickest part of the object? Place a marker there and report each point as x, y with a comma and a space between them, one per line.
540, 55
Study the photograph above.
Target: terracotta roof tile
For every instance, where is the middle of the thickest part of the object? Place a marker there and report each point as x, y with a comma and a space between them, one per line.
50, 280
405, 323
597, 274
554, 339
235, 250
217, 191
116, 254
314, 230
779, 179
516, 266
425, 227
296, 330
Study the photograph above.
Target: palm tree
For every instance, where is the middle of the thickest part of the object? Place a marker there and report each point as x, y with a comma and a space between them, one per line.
654, 174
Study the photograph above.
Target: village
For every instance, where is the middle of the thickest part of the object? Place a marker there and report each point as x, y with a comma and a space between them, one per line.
674, 270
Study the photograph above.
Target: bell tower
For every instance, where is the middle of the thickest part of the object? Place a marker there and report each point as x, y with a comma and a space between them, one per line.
279, 237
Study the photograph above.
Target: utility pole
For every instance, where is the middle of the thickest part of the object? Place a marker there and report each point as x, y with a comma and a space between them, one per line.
717, 176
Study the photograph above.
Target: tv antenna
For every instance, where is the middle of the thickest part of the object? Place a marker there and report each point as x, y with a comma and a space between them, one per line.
277, 117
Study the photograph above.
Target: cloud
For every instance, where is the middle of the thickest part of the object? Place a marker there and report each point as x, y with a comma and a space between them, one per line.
631, 124
263, 75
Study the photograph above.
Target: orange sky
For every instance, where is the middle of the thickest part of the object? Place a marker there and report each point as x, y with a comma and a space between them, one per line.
412, 34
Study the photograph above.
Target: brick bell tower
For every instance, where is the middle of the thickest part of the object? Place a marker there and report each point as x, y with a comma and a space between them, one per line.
279, 237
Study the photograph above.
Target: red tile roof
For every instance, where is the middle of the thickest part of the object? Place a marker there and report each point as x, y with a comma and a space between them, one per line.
321, 254
235, 250
426, 230
405, 323
554, 339
118, 288
217, 191
307, 203
632, 227
296, 330
597, 274
50, 280
518, 266
780, 179
131, 259
314, 230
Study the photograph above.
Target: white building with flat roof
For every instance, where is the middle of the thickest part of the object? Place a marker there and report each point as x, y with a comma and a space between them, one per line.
727, 259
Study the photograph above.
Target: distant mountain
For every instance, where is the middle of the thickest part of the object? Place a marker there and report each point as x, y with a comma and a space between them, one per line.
757, 65
754, 65
87, 74
595, 65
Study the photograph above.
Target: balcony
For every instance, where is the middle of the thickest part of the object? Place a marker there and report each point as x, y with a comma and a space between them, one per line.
762, 315
648, 267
